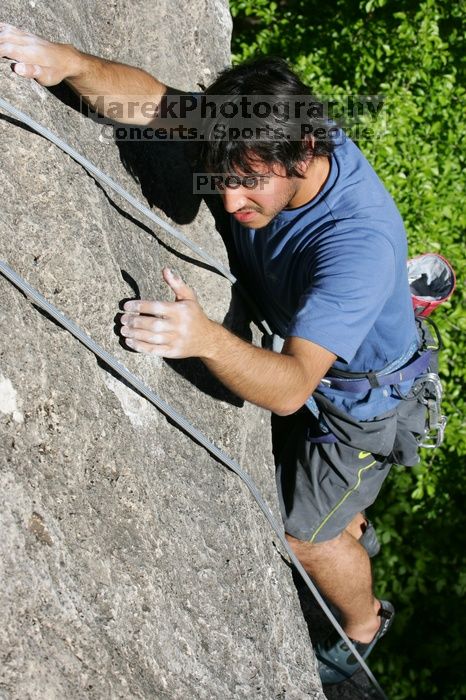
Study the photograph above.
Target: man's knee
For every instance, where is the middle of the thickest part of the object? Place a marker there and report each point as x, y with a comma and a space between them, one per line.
306, 548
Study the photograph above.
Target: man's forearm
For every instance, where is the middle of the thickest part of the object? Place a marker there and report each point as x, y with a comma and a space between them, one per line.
280, 382
126, 94
118, 91
276, 381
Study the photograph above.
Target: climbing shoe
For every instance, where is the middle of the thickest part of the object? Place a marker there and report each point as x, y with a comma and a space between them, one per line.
336, 661
369, 540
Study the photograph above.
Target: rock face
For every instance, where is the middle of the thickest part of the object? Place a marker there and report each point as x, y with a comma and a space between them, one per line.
132, 564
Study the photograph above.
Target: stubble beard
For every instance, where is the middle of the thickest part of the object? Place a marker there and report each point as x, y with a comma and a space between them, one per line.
270, 214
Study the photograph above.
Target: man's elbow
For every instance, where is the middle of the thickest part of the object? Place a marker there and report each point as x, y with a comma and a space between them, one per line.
287, 408
287, 405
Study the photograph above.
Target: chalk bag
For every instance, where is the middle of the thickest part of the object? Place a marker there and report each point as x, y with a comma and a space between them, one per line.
432, 281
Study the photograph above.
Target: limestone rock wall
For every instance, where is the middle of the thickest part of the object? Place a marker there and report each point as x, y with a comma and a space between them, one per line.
132, 565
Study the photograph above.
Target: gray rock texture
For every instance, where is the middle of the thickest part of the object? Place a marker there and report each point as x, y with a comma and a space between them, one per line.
132, 564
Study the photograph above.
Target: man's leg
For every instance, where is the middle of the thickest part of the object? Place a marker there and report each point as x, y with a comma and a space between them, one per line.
323, 489
341, 569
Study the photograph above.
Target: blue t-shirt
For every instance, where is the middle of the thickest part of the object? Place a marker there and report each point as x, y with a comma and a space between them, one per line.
334, 272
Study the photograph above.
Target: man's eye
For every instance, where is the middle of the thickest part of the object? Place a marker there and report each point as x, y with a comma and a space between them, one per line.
251, 182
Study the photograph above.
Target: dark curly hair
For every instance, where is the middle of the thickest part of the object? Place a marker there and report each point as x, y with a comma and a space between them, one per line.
266, 76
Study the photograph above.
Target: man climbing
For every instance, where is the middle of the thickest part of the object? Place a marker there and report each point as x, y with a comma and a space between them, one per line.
322, 247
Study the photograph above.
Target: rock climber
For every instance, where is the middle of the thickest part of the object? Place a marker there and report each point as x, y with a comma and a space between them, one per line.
322, 248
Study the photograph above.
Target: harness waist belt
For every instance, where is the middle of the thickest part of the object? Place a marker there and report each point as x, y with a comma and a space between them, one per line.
374, 380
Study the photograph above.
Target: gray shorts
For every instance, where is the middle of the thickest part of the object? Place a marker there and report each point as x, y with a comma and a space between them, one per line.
322, 486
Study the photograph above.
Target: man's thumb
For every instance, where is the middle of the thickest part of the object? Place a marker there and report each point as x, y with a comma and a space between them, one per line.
32, 70
27, 70
180, 288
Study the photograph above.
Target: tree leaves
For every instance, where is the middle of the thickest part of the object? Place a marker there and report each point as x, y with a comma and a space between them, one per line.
412, 53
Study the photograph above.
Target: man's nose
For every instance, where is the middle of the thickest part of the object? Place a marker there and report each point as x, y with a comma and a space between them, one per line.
234, 198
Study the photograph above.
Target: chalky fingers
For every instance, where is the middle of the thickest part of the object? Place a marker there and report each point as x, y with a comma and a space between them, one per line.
146, 333
156, 338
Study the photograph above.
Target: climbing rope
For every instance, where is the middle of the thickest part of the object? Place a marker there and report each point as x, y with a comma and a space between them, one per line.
36, 298
141, 208
103, 177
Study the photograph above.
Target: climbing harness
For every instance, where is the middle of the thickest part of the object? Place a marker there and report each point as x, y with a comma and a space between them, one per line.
361, 383
432, 282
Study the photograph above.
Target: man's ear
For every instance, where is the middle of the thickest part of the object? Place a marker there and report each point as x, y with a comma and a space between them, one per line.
304, 164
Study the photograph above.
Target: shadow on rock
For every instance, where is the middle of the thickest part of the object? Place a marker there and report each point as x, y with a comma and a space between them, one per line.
238, 322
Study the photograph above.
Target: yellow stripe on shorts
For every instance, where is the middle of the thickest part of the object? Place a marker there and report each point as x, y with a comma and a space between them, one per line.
348, 493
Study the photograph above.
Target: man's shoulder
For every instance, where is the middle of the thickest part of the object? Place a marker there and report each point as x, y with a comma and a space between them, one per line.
358, 193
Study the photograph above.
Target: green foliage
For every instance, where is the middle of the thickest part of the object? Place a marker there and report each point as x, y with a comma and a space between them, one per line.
412, 53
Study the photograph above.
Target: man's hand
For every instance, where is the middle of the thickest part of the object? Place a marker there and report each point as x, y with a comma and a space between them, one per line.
280, 382
173, 329
37, 58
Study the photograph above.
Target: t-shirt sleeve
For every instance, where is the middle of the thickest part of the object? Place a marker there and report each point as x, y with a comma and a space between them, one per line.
348, 289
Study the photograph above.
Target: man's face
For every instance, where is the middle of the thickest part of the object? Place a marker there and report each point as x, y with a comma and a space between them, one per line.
254, 200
